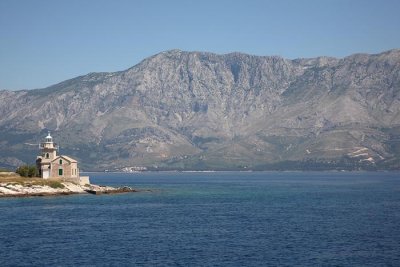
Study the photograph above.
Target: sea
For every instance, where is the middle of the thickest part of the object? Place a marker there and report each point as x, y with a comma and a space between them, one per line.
211, 219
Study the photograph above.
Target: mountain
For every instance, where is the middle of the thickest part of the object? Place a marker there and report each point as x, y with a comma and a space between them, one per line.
203, 111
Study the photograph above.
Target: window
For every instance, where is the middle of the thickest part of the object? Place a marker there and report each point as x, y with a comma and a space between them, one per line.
47, 155
60, 161
60, 172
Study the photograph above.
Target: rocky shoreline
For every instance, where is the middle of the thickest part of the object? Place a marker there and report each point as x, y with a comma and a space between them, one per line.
10, 189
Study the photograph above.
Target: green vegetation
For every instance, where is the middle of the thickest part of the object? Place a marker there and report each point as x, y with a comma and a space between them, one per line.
4, 170
27, 171
55, 184
323, 164
26, 181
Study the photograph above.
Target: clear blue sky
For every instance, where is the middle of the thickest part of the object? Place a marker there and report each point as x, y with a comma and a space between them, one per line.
44, 42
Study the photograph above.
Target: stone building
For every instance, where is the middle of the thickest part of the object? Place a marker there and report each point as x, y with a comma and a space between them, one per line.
53, 166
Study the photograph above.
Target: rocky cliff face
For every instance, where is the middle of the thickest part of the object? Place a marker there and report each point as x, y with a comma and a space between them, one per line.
195, 110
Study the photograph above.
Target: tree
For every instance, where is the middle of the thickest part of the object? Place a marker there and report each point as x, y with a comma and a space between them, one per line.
27, 171
32, 171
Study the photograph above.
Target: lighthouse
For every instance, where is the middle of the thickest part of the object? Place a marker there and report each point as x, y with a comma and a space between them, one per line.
53, 166
48, 152
48, 148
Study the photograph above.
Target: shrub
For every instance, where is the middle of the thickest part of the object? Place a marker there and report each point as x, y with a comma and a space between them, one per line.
27, 171
55, 184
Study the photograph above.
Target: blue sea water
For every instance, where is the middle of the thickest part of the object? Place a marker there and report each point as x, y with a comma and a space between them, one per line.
211, 219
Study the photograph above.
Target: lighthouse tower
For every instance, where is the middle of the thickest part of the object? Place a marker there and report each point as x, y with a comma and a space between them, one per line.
48, 148
48, 152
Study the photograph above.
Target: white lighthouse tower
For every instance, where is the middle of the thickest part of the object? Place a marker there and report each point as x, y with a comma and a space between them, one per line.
48, 152
48, 148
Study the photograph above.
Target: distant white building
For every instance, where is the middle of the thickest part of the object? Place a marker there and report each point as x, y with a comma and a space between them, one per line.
52, 166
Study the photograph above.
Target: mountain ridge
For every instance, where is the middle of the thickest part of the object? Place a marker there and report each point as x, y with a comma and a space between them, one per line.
394, 50
200, 110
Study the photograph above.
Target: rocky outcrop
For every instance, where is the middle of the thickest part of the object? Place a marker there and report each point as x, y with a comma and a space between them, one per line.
12, 189
197, 110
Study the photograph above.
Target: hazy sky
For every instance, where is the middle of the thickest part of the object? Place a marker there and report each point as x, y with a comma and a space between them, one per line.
43, 42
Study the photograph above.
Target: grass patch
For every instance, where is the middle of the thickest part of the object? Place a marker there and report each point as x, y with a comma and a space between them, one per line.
26, 181
55, 184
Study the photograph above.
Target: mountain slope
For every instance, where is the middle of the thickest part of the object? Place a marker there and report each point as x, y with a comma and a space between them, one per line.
196, 110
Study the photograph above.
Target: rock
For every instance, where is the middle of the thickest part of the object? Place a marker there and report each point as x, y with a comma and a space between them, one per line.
109, 190
18, 190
